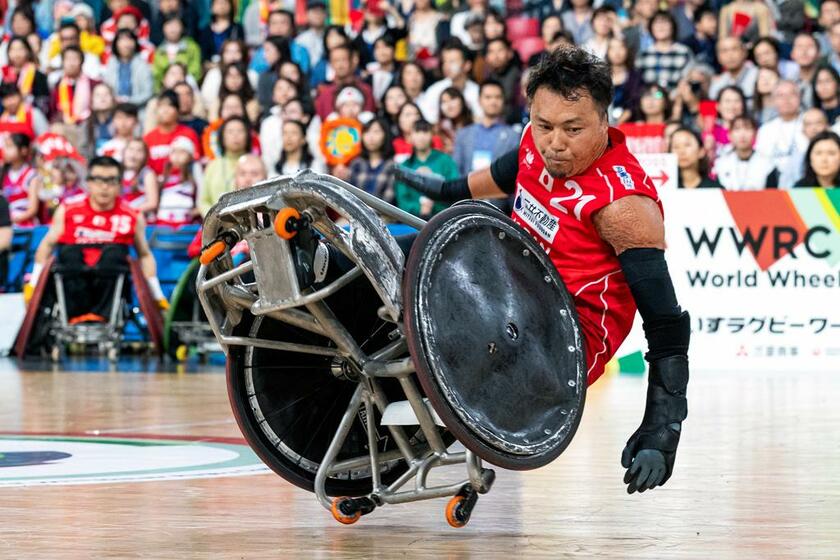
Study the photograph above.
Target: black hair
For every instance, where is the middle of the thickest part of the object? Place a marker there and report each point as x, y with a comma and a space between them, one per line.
26, 45
282, 46
390, 41
25, 11
466, 116
70, 25
738, 91
245, 90
810, 178
72, 49
773, 43
415, 65
809, 36
818, 103
504, 40
289, 15
407, 104
703, 10
224, 126
455, 44
172, 17
387, 150
170, 96
602, 10
422, 125
497, 15
129, 109
346, 46
703, 165
666, 15
306, 158
638, 115
105, 161
337, 29
305, 105
491, 82
232, 14
22, 142
125, 33
744, 118
8, 89
571, 72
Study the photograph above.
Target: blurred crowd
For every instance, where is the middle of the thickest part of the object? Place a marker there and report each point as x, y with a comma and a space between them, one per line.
745, 93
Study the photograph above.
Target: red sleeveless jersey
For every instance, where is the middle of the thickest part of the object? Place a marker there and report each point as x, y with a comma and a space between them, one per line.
558, 213
16, 191
85, 226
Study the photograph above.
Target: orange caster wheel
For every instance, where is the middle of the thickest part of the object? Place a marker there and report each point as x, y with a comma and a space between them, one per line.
339, 508
286, 223
459, 509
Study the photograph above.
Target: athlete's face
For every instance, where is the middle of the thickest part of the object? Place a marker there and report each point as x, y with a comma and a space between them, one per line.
103, 183
570, 134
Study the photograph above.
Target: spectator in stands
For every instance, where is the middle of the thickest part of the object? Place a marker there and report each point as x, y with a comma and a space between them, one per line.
412, 78
757, 13
185, 10
737, 70
431, 161
551, 25
124, 128
302, 110
822, 168
654, 106
426, 27
382, 72
334, 36
481, 143
174, 75
392, 101
826, 88
295, 155
349, 104
18, 115
232, 52
834, 39
495, 25
22, 24
180, 183
692, 160
779, 138
344, 61
637, 33
235, 141
312, 39
403, 148
663, 62
281, 23
20, 180
457, 25
742, 168
805, 53
627, 82
168, 128
604, 21
503, 66
373, 170
89, 39
691, 90
766, 53
139, 183
578, 20
128, 74
829, 15
375, 25
121, 9
176, 47
68, 35
455, 67
222, 28
98, 128
276, 51
703, 39
731, 103
454, 116
685, 15
235, 80
72, 90
814, 121
186, 108
765, 85
271, 129
22, 70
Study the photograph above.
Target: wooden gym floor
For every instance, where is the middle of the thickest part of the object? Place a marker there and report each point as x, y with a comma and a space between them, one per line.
757, 476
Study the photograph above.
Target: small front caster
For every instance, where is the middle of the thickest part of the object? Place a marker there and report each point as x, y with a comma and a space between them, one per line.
349, 510
460, 507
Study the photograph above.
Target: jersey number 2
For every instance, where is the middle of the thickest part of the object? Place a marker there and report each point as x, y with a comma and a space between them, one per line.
577, 194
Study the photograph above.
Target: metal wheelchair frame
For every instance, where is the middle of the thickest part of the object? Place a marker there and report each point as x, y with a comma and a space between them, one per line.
249, 214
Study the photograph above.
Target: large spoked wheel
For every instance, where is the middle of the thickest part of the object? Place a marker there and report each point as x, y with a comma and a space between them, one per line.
289, 405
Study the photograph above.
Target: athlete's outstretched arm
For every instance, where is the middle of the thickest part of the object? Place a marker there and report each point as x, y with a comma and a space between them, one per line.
633, 226
497, 181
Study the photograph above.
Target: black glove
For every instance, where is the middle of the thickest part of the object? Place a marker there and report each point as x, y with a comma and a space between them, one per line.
433, 186
650, 452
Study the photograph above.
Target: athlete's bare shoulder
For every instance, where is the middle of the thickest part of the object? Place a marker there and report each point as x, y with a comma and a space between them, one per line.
631, 222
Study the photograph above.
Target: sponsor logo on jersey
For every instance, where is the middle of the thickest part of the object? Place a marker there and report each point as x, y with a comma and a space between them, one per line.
86, 235
528, 160
624, 177
536, 215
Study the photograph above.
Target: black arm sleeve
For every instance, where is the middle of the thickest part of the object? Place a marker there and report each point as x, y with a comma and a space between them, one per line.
504, 171
5, 217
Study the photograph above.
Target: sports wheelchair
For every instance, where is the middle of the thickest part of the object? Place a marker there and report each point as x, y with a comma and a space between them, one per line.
353, 387
48, 328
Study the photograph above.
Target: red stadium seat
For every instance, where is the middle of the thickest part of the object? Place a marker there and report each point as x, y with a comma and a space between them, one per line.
519, 28
528, 46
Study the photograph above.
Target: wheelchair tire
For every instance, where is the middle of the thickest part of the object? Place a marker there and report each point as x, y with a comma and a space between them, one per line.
288, 406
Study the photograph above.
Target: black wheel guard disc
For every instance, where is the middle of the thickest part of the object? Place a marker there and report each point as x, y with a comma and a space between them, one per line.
495, 338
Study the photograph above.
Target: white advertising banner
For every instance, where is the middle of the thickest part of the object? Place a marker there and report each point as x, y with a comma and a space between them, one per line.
760, 274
